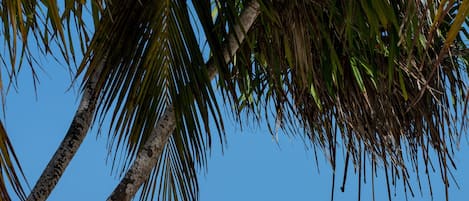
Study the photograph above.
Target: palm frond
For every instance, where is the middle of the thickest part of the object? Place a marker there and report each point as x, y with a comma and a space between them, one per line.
28, 25
372, 70
377, 71
154, 61
41, 25
10, 168
174, 177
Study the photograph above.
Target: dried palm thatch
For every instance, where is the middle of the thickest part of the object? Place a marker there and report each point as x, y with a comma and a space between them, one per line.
385, 80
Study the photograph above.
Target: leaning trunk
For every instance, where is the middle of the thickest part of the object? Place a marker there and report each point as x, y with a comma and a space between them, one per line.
68, 147
148, 156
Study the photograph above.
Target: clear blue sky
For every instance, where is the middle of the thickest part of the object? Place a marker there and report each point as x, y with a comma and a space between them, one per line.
253, 166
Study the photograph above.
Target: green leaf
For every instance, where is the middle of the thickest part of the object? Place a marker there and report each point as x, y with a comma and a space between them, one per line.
10, 167
357, 74
402, 85
316, 98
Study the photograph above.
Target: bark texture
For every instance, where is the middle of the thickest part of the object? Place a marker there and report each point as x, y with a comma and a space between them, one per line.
68, 147
148, 156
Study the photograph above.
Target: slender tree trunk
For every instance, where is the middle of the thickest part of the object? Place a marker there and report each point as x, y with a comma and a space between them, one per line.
68, 147
148, 156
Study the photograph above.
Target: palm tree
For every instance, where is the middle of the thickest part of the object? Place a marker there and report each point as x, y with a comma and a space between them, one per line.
24, 22
374, 71
387, 77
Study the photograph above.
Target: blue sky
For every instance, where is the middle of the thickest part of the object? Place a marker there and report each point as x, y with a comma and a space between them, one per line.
253, 166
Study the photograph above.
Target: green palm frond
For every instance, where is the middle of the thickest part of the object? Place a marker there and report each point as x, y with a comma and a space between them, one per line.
175, 176
376, 71
30, 28
45, 25
153, 60
10, 168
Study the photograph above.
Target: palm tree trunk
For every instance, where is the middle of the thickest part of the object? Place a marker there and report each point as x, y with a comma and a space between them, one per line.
68, 147
148, 156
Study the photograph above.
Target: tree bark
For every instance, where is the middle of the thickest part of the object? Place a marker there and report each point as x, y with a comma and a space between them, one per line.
68, 147
148, 156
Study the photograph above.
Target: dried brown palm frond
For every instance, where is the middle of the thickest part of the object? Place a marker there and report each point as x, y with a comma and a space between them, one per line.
391, 76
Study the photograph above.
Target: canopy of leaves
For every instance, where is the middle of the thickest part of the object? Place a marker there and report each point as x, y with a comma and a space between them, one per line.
153, 61
385, 80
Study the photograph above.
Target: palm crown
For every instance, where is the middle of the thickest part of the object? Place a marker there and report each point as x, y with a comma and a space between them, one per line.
383, 79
